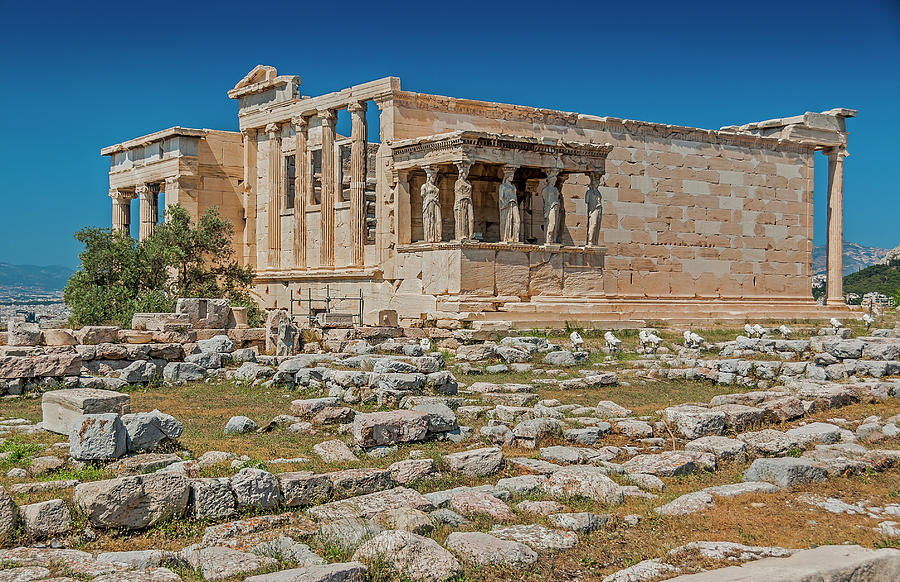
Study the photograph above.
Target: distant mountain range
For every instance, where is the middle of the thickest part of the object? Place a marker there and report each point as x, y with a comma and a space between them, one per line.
49, 278
856, 257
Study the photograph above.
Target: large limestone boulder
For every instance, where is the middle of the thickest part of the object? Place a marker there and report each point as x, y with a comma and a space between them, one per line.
219, 344
723, 448
63, 408
585, 481
256, 488
140, 372
177, 372
98, 437
239, 425
301, 488
145, 430
475, 503
476, 462
405, 472
32, 362
537, 536
59, 337
410, 555
786, 471
441, 417
687, 504
46, 519
693, 422
97, 334
212, 498
665, 464
203, 313
481, 549
389, 428
23, 334
133, 502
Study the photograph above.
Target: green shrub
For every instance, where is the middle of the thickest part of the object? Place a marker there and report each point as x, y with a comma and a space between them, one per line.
119, 276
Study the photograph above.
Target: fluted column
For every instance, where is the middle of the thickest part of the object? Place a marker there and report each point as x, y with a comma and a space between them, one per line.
147, 218
835, 249
121, 210
326, 245
358, 156
273, 131
249, 187
301, 165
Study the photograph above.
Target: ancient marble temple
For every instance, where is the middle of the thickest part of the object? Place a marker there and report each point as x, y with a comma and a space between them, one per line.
448, 209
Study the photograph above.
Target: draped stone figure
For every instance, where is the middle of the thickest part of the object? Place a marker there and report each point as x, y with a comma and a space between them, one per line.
463, 211
510, 220
431, 207
552, 202
594, 202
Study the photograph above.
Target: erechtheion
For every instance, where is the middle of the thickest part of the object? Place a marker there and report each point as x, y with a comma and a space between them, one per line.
455, 209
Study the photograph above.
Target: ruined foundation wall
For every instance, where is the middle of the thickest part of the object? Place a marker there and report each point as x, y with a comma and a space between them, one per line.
687, 213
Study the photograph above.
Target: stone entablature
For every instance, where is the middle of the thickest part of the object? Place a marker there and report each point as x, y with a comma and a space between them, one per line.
196, 168
657, 212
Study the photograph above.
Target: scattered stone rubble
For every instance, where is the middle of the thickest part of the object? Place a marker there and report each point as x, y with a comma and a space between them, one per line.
377, 514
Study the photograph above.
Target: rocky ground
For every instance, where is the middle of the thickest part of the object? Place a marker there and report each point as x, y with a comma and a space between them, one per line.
525, 457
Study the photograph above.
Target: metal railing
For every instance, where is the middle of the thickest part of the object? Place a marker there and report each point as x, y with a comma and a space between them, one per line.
316, 305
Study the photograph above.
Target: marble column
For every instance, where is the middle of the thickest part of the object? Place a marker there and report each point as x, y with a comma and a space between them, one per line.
147, 217
326, 244
835, 246
358, 157
121, 210
301, 166
273, 131
249, 195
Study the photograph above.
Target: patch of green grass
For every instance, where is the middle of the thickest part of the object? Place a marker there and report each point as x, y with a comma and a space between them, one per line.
19, 452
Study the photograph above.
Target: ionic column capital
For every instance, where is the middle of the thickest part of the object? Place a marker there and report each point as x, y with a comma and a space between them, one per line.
327, 116
384, 101
249, 132
837, 153
357, 107
121, 196
142, 190
300, 123
273, 129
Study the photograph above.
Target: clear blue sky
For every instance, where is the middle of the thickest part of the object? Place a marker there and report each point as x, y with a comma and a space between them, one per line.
82, 75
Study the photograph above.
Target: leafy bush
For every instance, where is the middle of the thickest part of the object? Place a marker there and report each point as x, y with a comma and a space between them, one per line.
119, 276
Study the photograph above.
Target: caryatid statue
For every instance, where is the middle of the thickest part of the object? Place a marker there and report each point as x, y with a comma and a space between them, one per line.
431, 206
510, 220
552, 202
463, 211
594, 201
